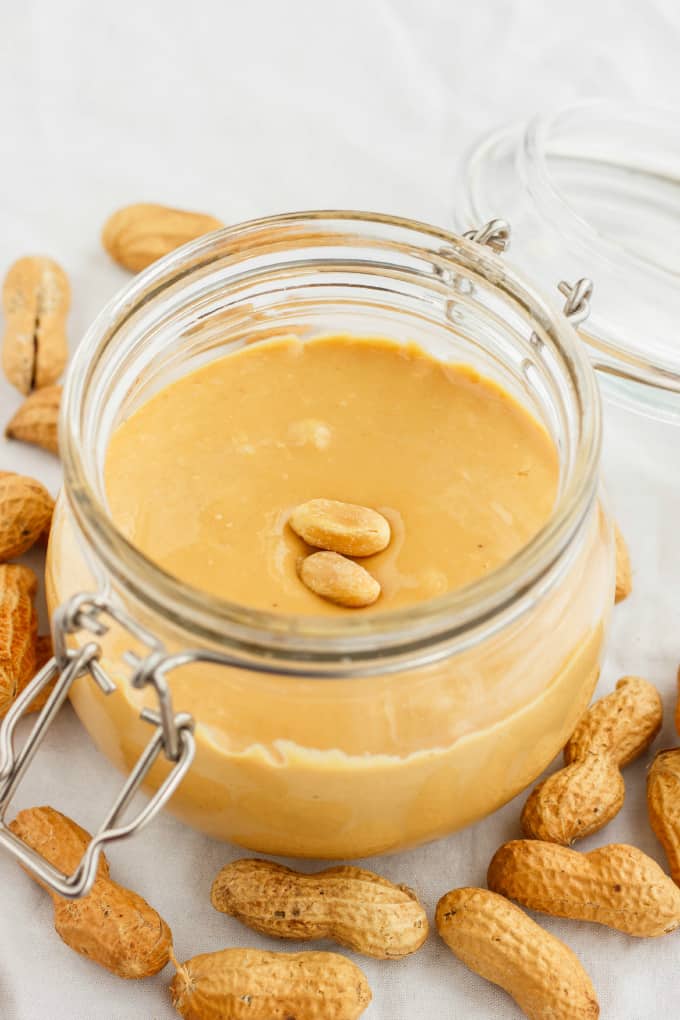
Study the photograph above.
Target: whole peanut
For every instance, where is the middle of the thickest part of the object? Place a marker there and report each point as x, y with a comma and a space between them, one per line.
249, 984
18, 631
582, 797
112, 926
663, 805
36, 296
25, 513
37, 419
616, 885
137, 235
622, 724
346, 528
338, 579
497, 940
354, 907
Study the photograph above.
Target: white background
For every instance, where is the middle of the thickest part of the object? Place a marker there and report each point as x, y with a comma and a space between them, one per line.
246, 109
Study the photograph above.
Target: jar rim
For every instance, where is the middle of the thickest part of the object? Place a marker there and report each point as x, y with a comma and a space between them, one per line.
423, 629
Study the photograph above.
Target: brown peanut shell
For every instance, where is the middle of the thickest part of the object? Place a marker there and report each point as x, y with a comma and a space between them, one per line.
250, 984
25, 513
575, 802
497, 940
37, 419
623, 724
663, 805
112, 926
35, 297
352, 906
18, 631
139, 234
616, 885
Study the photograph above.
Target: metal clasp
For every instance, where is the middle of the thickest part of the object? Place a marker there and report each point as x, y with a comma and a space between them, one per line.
173, 735
89, 612
577, 306
495, 235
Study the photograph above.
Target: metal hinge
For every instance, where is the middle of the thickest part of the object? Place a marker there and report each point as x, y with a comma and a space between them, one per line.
496, 235
172, 737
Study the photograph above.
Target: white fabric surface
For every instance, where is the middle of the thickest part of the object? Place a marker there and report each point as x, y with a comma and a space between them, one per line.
243, 110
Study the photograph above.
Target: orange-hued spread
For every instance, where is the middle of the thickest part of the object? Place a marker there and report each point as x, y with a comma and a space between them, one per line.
463, 473
203, 478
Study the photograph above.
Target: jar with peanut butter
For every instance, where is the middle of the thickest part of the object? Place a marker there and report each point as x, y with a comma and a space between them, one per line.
344, 469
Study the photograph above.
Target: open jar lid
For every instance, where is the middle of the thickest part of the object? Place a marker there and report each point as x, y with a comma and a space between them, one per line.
593, 190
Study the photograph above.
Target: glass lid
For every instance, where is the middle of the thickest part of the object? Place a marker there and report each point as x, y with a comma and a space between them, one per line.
594, 190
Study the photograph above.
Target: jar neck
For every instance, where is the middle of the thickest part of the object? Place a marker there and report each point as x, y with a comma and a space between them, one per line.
312, 269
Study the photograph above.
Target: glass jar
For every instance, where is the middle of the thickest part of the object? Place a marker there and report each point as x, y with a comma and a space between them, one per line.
342, 737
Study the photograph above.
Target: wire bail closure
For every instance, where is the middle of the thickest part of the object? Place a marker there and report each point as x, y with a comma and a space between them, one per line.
496, 235
172, 739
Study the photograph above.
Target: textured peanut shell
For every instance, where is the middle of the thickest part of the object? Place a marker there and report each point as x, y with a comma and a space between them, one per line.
341, 527
43, 653
497, 940
582, 797
112, 926
616, 885
25, 512
18, 631
44, 650
36, 296
624, 580
116, 928
37, 419
623, 724
57, 838
137, 235
248, 984
339, 580
355, 908
576, 801
663, 805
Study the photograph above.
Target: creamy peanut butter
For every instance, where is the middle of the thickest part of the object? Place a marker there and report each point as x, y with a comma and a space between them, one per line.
204, 476
463, 473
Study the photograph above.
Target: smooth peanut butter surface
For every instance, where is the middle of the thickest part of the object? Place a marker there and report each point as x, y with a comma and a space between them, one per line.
204, 476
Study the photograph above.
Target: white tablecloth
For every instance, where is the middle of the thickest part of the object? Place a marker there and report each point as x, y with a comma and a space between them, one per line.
247, 109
